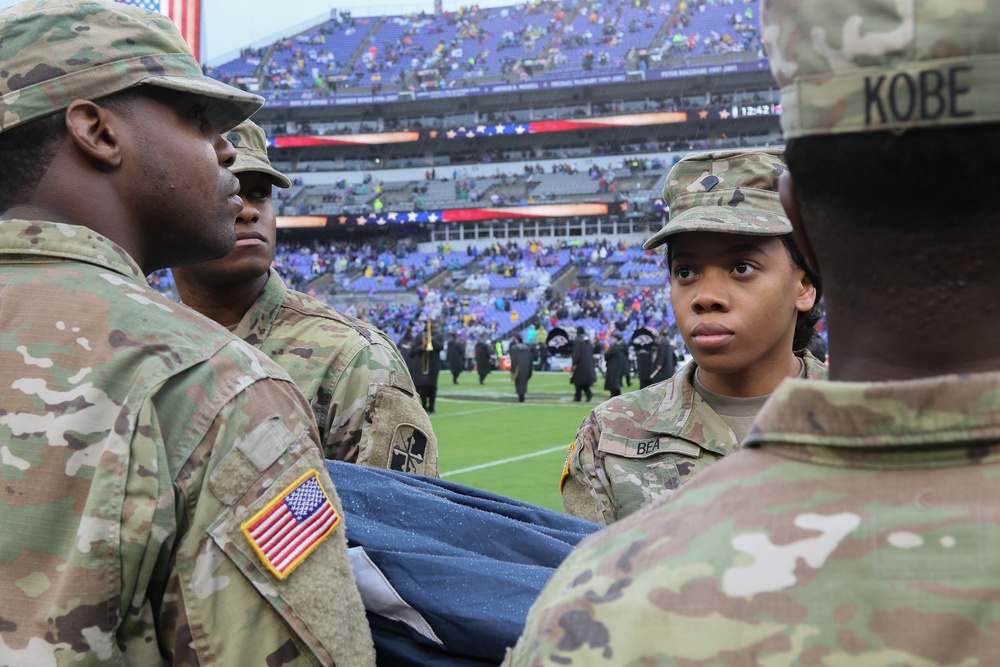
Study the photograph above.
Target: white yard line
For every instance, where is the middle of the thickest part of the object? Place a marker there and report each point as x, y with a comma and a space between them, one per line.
551, 450
499, 406
473, 412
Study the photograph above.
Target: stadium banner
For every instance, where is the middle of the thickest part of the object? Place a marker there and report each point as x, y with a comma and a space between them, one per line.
344, 139
447, 215
476, 214
186, 15
301, 221
596, 79
497, 130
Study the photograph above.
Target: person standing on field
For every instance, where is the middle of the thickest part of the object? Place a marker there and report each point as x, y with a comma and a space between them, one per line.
616, 365
426, 359
584, 375
520, 366
665, 361
456, 357
482, 359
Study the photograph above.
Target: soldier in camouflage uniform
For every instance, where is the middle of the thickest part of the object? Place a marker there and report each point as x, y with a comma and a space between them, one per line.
145, 452
859, 524
641, 446
357, 383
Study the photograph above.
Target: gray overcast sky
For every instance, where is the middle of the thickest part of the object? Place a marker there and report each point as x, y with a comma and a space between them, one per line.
229, 25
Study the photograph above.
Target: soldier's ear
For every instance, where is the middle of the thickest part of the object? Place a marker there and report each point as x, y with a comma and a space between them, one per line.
92, 129
790, 202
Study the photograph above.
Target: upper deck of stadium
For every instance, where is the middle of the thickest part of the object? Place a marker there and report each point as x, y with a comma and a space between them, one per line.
540, 46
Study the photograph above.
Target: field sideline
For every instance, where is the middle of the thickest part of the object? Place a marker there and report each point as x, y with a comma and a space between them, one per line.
488, 440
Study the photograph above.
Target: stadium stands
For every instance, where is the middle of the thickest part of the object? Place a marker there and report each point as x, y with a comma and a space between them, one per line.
542, 66
541, 41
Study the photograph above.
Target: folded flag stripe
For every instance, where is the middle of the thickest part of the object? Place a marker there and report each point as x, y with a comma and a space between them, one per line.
292, 525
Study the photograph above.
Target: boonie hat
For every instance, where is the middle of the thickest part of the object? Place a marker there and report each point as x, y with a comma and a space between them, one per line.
733, 192
250, 143
55, 51
883, 65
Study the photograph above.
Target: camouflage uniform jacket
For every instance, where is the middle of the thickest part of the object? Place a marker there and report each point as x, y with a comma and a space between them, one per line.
354, 377
857, 526
643, 445
139, 446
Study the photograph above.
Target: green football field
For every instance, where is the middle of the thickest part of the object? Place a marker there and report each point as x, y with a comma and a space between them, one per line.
488, 440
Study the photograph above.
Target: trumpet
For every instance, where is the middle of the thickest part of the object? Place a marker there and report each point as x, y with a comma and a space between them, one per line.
428, 350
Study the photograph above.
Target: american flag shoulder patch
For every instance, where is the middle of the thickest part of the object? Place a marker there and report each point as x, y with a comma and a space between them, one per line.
292, 525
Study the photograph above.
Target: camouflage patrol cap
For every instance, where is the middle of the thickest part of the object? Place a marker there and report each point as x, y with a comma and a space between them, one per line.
877, 65
734, 192
250, 143
55, 51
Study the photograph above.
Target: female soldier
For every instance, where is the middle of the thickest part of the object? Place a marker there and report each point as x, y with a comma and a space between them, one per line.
746, 307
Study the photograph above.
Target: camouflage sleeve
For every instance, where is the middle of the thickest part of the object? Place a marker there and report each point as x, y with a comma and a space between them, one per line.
375, 417
232, 596
560, 627
585, 490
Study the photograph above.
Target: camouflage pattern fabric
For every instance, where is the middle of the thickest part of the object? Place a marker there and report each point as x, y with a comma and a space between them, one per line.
643, 445
857, 526
136, 437
732, 192
93, 49
354, 377
250, 142
883, 65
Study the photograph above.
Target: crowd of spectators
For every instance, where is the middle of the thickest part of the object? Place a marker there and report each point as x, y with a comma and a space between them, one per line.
476, 308
710, 27
459, 48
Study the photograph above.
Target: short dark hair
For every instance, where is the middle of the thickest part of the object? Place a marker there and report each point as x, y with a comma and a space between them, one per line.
916, 181
892, 216
805, 322
27, 152
28, 149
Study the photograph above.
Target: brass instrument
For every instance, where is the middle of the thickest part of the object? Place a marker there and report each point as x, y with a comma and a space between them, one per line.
428, 350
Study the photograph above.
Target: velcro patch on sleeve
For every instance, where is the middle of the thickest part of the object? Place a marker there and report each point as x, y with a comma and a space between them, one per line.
409, 446
291, 526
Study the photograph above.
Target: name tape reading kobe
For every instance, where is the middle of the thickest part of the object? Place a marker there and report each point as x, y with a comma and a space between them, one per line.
292, 525
925, 95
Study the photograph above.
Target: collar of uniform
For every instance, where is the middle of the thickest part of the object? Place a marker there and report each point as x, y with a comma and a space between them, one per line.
815, 369
255, 326
942, 410
36, 238
684, 414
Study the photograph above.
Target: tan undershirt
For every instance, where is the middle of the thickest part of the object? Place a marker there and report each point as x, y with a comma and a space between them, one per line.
738, 413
